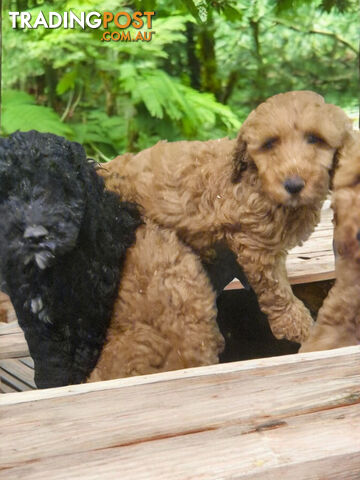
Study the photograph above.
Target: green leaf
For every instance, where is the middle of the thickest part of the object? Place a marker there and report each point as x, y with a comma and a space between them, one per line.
145, 5
193, 9
18, 113
67, 82
16, 97
232, 14
341, 5
284, 6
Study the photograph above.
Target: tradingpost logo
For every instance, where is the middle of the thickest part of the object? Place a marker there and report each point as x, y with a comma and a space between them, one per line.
70, 20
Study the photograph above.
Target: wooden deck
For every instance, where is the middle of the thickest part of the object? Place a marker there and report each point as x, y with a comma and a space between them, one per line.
314, 260
17, 375
16, 367
290, 417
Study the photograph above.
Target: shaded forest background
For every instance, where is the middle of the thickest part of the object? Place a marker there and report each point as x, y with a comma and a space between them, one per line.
208, 65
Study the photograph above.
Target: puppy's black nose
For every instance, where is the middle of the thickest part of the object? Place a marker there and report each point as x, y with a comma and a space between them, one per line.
294, 184
35, 232
358, 235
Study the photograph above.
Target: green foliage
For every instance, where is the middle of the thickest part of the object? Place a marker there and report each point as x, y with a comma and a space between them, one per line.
200, 9
208, 64
19, 112
341, 5
163, 96
291, 5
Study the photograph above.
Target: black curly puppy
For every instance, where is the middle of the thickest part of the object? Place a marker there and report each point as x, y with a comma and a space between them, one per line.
63, 240
100, 292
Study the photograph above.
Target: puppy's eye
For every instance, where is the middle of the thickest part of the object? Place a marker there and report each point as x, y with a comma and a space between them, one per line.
269, 144
312, 139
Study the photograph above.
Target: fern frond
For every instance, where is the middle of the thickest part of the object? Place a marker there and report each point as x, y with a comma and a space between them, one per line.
19, 112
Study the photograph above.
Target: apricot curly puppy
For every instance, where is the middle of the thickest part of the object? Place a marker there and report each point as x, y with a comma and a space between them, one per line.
164, 317
338, 323
261, 193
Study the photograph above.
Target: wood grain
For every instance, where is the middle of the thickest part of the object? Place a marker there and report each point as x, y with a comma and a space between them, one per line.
293, 417
12, 342
19, 370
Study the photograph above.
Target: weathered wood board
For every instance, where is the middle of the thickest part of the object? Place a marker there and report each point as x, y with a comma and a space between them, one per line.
17, 375
292, 417
12, 341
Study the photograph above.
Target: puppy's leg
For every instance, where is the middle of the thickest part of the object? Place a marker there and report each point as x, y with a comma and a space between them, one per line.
164, 317
266, 271
337, 322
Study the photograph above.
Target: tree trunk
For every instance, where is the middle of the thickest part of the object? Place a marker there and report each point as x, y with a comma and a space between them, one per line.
261, 73
192, 59
51, 82
209, 80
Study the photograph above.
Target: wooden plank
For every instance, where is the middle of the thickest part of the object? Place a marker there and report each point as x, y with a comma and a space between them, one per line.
9, 328
12, 341
27, 361
16, 375
4, 388
16, 384
13, 345
286, 417
305, 258
319, 251
320, 264
300, 279
19, 370
189, 373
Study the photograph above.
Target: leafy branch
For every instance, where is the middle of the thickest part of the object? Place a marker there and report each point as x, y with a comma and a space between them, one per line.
313, 31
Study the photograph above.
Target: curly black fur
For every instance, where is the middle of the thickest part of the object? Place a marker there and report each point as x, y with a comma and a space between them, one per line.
63, 240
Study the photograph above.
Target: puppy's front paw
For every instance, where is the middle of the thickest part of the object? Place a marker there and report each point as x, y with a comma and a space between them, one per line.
294, 323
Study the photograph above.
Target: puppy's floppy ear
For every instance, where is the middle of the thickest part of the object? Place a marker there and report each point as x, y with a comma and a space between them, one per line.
241, 159
345, 167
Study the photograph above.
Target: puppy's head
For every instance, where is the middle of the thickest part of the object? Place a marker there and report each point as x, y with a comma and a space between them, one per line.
346, 200
41, 199
292, 140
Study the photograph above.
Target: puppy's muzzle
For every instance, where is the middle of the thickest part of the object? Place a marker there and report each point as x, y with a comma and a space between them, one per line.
40, 250
35, 233
294, 184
